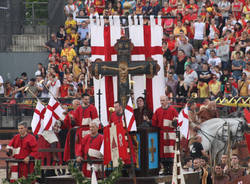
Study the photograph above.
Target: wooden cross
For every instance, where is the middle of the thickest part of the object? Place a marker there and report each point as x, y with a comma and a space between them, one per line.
123, 67
152, 150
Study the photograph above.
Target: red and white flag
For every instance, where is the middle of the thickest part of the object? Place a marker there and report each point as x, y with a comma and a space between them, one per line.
130, 118
103, 39
183, 122
53, 112
147, 40
115, 144
38, 117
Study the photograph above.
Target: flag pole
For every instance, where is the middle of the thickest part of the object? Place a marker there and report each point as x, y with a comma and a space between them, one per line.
130, 148
27, 89
99, 97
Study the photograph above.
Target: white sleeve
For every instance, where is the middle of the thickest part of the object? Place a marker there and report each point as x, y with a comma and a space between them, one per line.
1, 79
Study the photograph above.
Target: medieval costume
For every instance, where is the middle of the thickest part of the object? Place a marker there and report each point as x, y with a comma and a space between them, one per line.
89, 149
80, 123
221, 179
22, 147
116, 118
234, 174
205, 114
162, 119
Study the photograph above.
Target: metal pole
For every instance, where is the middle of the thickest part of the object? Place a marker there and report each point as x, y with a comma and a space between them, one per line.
33, 14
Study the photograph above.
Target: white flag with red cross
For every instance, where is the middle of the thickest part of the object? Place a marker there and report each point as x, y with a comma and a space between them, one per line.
38, 117
147, 42
183, 122
130, 118
53, 112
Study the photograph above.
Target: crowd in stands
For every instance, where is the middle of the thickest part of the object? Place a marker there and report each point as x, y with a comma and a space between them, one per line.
205, 48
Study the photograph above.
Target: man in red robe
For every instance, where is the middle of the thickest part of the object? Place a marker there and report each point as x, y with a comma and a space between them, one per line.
90, 149
23, 147
70, 125
116, 118
84, 114
163, 118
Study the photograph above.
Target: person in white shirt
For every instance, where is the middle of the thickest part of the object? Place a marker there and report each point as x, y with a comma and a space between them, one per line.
70, 8
199, 33
190, 79
214, 61
1, 87
54, 85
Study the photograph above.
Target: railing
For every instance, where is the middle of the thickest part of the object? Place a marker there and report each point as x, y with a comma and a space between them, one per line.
36, 13
12, 111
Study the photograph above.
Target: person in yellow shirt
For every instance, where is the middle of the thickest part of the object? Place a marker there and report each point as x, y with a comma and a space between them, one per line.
68, 51
74, 37
214, 87
203, 91
70, 23
178, 28
243, 85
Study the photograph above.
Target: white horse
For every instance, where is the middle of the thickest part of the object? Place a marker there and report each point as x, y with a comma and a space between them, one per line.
214, 134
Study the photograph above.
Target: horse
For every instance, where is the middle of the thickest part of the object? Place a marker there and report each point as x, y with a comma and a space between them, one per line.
215, 133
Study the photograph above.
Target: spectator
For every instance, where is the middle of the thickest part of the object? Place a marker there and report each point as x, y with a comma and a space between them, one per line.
223, 53
224, 6
237, 66
210, 48
83, 31
64, 89
172, 83
99, 5
237, 49
197, 150
205, 74
24, 77
181, 60
70, 8
195, 65
199, 32
203, 90
185, 46
61, 34
187, 165
68, 51
178, 28
54, 85
214, 87
229, 90
190, 79
85, 50
33, 89
201, 56
214, 61
243, 85
70, 24
247, 70
53, 43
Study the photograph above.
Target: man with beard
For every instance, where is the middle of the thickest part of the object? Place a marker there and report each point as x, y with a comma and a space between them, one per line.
205, 178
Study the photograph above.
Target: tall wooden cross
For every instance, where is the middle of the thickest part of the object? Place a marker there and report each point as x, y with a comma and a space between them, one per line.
152, 150
123, 67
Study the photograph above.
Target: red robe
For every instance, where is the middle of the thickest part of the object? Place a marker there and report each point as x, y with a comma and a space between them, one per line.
82, 117
90, 146
46, 157
163, 118
115, 118
21, 148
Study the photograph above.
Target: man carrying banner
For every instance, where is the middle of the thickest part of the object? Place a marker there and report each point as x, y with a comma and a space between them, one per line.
117, 119
163, 118
90, 149
22, 146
